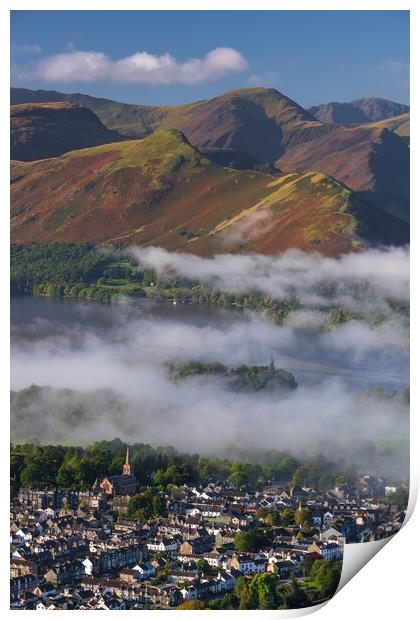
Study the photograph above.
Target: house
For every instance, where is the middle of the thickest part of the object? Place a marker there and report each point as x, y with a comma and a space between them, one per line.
88, 564
196, 546
145, 570
332, 534
225, 537
129, 575
23, 534
66, 573
327, 518
120, 504
227, 581
180, 576
214, 558
163, 544
24, 583
21, 567
329, 551
157, 564
167, 595
247, 565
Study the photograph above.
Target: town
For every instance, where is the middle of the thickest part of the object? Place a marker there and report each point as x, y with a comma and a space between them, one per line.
121, 545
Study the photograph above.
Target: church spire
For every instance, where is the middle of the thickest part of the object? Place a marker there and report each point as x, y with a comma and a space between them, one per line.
127, 469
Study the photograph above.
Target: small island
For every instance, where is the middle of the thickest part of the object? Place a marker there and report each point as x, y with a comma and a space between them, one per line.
241, 378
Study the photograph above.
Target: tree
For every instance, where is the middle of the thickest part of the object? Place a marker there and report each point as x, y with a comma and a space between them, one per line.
398, 497
39, 472
269, 516
204, 566
239, 586
291, 596
325, 577
303, 517
229, 601
250, 541
240, 474
145, 506
306, 475
308, 562
194, 604
284, 467
246, 600
263, 591
287, 517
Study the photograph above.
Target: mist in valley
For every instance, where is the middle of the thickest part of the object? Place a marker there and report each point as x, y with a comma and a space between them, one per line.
102, 367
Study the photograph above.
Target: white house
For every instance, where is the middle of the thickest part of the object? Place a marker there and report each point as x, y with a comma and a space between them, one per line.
164, 544
189, 593
88, 564
145, 570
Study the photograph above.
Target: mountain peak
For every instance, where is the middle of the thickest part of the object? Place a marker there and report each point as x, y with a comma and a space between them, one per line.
359, 111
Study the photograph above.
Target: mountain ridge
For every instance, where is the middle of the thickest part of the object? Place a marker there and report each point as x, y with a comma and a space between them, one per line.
40, 130
162, 191
269, 127
364, 110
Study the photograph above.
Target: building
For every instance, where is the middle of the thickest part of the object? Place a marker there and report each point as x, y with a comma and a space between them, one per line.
122, 484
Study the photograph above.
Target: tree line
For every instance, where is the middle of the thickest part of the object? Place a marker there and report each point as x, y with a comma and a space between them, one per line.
162, 468
85, 271
264, 591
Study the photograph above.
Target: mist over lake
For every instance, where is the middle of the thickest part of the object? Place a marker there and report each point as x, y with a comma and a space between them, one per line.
374, 359
107, 353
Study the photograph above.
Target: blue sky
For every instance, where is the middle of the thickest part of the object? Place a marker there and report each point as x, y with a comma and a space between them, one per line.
146, 56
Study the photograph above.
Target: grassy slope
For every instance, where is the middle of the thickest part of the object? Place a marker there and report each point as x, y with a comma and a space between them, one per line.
203, 122
135, 120
269, 127
257, 121
162, 191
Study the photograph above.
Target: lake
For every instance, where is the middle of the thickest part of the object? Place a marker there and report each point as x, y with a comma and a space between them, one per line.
310, 356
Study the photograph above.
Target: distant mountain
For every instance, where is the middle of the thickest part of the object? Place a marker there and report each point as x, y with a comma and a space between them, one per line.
163, 191
369, 159
256, 121
358, 111
135, 121
39, 130
266, 126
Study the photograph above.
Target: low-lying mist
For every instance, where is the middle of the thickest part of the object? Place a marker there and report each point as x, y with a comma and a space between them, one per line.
364, 280
111, 361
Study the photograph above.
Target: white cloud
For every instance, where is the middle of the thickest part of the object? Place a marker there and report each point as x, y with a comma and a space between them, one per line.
91, 66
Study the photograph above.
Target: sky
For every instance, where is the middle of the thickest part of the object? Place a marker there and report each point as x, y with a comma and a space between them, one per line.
172, 57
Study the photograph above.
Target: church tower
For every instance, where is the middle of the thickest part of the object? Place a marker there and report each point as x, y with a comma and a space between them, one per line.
127, 468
